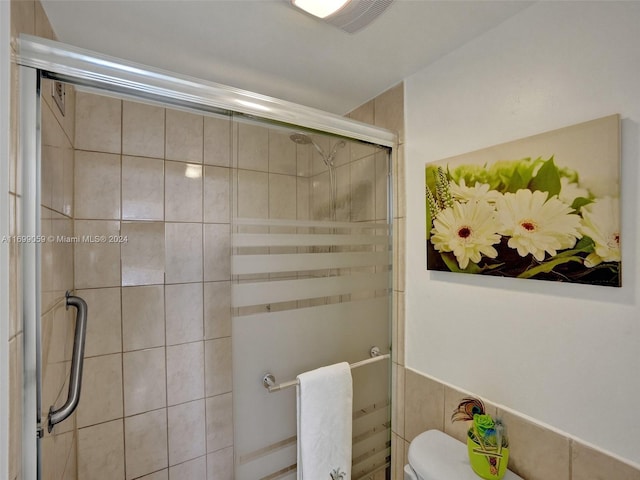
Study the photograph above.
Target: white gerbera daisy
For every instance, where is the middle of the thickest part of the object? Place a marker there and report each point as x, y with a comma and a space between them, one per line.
569, 191
468, 230
536, 224
479, 192
601, 222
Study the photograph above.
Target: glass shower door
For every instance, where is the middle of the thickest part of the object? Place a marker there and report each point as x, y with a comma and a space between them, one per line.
311, 276
309, 263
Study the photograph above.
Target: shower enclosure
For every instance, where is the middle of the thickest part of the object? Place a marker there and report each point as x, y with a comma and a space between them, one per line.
216, 236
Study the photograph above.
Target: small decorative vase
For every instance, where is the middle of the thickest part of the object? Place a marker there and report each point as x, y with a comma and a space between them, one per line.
491, 465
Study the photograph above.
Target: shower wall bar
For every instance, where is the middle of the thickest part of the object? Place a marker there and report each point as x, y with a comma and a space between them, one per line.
269, 381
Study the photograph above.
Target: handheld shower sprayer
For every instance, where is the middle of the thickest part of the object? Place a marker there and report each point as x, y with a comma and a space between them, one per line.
304, 139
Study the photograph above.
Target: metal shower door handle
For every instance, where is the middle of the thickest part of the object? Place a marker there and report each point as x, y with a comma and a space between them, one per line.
75, 378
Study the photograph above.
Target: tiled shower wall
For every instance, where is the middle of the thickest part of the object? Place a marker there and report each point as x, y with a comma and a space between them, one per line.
387, 110
156, 185
153, 185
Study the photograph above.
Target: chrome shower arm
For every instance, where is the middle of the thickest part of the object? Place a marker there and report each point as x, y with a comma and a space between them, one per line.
329, 159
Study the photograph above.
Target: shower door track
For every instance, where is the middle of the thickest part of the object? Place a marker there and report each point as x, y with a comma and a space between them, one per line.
90, 69
41, 58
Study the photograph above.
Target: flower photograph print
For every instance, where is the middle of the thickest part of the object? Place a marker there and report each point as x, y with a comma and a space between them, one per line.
545, 207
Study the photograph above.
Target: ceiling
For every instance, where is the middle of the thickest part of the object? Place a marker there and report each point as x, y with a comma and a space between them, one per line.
269, 47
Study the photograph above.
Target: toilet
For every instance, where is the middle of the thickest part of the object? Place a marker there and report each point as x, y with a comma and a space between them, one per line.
434, 455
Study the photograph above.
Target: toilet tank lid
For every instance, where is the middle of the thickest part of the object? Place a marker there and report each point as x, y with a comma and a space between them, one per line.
434, 455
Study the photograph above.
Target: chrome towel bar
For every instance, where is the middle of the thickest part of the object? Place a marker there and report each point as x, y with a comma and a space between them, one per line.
269, 381
77, 360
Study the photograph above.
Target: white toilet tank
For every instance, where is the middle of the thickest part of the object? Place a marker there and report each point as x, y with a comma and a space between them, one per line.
434, 455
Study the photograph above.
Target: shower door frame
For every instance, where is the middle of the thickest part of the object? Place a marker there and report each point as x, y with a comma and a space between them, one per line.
39, 58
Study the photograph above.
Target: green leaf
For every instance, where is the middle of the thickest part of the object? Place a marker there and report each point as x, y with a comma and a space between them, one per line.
580, 202
494, 266
516, 182
452, 264
526, 168
548, 266
585, 244
547, 179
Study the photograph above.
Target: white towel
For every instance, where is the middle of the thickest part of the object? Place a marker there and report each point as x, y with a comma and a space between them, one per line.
325, 399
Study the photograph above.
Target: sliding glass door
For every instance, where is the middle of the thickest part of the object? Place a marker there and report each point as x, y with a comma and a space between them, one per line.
311, 269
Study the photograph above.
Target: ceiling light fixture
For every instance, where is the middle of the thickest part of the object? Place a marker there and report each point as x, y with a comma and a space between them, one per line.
320, 8
348, 15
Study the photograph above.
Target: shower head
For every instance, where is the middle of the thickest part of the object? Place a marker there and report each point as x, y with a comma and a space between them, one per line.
304, 139
300, 138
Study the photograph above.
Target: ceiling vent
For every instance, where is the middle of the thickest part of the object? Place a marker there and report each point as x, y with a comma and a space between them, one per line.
354, 15
357, 14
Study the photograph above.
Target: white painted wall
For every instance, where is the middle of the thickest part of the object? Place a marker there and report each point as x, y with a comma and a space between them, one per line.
566, 355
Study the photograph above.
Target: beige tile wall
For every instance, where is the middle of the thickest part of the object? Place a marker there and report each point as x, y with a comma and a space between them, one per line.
536, 451
157, 390
387, 110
